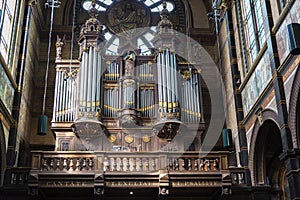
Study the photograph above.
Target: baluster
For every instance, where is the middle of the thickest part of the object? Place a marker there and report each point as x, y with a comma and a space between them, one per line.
51, 164
114, 164
134, 164
202, 164
208, 165
65, 164
13, 178
71, 165
196, 164
147, 164
127, 164
170, 164
216, 164
176, 167
84, 164
189, 164
235, 178
153, 164
141, 164
241, 178
106, 164
58, 164
121, 164
91, 164
44, 166
20, 180
77, 165
182, 164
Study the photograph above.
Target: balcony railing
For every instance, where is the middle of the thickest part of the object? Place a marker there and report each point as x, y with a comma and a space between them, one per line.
238, 176
17, 178
56, 162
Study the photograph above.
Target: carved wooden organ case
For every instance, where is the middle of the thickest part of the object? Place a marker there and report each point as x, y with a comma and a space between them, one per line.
128, 101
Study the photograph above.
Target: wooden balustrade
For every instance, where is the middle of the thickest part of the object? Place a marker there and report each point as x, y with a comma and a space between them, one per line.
237, 176
53, 162
17, 178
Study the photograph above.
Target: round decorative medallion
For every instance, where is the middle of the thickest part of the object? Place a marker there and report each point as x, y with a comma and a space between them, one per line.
127, 15
112, 138
146, 139
129, 139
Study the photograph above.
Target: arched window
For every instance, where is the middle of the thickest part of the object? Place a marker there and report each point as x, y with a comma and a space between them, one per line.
254, 19
7, 14
154, 5
143, 42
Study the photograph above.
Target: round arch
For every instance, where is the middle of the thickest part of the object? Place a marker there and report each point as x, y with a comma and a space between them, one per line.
294, 110
3, 154
265, 166
267, 115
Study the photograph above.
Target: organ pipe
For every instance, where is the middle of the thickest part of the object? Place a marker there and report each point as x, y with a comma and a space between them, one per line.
191, 107
65, 92
167, 79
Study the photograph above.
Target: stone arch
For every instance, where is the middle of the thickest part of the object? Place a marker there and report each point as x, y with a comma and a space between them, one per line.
294, 110
3, 154
267, 167
267, 115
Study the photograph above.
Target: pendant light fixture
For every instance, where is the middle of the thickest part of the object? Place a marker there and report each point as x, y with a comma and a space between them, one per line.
43, 119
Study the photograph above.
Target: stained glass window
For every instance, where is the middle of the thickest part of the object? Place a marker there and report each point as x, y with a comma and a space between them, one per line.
154, 5
6, 89
254, 21
7, 16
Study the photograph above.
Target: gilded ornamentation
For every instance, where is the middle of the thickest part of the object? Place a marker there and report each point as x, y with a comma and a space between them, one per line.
146, 138
59, 43
112, 138
129, 139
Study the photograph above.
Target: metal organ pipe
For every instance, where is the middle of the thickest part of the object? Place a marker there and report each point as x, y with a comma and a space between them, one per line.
167, 81
175, 78
55, 98
172, 81
62, 100
58, 97
84, 80
68, 100
159, 81
81, 81
98, 80
165, 100
94, 81
168, 85
89, 80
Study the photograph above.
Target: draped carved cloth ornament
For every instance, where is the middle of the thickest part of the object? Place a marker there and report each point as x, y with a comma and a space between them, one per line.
126, 15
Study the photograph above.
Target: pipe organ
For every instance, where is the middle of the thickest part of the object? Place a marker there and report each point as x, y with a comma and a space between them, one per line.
127, 101
190, 100
90, 78
64, 109
167, 84
110, 101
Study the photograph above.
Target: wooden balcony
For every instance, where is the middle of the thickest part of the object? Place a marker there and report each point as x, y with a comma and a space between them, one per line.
128, 162
94, 175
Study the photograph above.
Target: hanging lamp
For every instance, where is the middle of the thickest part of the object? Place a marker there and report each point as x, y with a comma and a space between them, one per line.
43, 119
